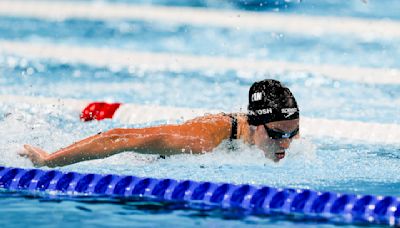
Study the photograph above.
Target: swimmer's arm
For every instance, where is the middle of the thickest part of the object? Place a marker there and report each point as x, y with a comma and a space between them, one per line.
163, 140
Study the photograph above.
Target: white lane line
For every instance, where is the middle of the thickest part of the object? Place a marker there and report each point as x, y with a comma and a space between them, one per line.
105, 57
298, 24
314, 127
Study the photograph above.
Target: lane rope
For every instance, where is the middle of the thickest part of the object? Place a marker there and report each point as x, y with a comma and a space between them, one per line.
112, 58
288, 23
138, 114
259, 200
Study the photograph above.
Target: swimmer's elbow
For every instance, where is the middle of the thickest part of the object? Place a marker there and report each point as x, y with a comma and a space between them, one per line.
201, 145
115, 131
177, 144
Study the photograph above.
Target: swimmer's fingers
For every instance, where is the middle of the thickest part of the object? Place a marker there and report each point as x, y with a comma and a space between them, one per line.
36, 155
26, 152
23, 153
35, 150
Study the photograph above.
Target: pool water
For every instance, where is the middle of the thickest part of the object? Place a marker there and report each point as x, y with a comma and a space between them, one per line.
324, 164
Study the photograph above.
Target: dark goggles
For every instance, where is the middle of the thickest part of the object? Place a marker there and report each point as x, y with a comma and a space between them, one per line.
273, 134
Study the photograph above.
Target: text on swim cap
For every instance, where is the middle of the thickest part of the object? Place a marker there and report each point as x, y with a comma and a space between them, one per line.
256, 96
260, 111
289, 111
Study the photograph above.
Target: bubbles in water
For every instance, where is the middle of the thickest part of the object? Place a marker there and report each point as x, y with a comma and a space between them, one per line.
34, 125
11, 62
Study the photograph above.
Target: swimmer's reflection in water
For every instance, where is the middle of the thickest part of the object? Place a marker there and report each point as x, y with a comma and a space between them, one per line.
271, 123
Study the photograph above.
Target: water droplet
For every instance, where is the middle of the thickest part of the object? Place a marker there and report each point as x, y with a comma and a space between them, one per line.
30, 71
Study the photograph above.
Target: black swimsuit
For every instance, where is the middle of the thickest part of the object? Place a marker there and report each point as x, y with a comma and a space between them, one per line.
234, 132
234, 127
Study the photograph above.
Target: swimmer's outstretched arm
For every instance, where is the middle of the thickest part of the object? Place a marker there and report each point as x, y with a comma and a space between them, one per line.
191, 137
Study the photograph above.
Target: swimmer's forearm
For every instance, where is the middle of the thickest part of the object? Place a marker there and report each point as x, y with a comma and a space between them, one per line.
119, 140
100, 146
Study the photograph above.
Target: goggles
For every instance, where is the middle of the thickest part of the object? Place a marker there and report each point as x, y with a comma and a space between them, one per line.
273, 134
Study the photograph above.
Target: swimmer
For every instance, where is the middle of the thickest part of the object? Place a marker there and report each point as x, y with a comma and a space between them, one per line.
271, 123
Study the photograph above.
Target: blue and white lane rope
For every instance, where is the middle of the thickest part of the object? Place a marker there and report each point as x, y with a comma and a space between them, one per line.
262, 200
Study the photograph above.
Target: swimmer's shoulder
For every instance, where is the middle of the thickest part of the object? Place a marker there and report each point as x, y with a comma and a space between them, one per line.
212, 118
219, 121
214, 124
217, 127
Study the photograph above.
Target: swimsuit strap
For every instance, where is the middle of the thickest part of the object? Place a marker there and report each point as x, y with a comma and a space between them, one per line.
234, 127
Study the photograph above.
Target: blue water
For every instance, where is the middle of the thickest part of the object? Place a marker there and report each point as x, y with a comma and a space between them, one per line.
29, 77
186, 39
314, 163
352, 8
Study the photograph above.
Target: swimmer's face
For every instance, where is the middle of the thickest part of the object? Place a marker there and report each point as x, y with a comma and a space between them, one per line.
275, 149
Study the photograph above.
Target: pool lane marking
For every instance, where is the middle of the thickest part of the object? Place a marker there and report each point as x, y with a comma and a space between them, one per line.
118, 58
288, 23
138, 114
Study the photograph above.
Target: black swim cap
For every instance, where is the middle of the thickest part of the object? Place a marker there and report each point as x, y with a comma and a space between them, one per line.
270, 101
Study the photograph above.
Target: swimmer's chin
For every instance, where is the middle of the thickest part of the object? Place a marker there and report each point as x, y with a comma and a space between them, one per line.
280, 155
276, 157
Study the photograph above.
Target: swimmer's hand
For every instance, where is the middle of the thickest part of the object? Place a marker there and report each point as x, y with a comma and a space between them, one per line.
36, 155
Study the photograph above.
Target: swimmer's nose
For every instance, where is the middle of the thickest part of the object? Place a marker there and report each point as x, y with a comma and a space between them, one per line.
285, 143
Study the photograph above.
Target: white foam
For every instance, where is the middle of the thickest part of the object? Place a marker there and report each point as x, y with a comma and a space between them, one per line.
313, 127
115, 58
303, 147
70, 104
27, 124
299, 24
